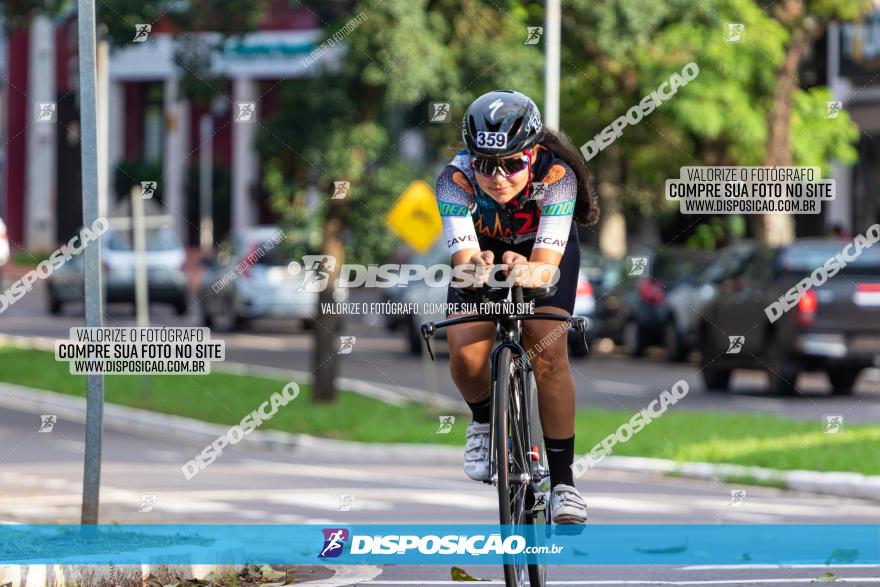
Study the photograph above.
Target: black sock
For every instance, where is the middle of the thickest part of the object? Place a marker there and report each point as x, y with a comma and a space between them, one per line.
560, 456
482, 411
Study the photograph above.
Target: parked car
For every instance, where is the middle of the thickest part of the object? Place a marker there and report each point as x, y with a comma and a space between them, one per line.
4, 248
401, 256
165, 259
251, 278
420, 293
688, 299
834, 327
635, 308
594, 266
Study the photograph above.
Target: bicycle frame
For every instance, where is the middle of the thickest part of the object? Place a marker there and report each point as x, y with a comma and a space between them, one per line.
507, 334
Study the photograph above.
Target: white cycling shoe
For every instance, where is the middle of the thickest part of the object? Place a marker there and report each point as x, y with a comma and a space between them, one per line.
476, 452
567, 506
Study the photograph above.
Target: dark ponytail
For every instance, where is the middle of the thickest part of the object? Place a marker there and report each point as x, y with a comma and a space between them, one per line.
586, 208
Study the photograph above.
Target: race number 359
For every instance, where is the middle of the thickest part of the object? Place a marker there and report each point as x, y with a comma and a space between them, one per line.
495, 140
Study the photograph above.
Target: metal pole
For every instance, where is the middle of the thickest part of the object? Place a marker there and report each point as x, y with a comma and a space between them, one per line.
93, 285
206, 187
552, 40
103, 83
139, 240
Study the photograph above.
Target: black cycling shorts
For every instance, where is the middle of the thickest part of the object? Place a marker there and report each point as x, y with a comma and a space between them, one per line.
569, 268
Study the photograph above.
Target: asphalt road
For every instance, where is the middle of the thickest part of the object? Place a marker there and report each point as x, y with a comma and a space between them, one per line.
604, 380
41, 473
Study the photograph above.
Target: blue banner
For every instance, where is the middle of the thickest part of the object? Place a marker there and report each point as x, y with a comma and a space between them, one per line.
685, 544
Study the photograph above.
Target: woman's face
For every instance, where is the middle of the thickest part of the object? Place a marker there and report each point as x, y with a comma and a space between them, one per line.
500, 187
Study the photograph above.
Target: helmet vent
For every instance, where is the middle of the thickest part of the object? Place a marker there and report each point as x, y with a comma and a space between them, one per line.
515, 128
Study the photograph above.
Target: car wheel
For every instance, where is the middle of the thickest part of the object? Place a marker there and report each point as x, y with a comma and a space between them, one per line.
715, 376
55, 305
228, 320
180, 306
414, 336
673, 344
633, 341
207, 319
843, 379
781, 371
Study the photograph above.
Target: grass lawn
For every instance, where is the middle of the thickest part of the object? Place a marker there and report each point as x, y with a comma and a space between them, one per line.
722, 437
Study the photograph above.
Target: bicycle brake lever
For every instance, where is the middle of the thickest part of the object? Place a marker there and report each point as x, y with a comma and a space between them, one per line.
581, 325
427, 333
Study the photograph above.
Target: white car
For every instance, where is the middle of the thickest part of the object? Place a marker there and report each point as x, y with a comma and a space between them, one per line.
165, 259
251, 278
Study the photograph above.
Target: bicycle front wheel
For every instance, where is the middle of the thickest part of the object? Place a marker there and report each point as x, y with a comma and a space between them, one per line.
512, 468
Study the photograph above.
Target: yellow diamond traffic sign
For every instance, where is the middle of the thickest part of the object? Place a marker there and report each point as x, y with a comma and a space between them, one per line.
414, 216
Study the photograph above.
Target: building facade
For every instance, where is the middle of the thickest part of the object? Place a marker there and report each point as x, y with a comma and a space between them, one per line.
152, 130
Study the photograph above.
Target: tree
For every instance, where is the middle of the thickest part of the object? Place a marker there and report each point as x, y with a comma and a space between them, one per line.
346, 123
804, 22
720, 118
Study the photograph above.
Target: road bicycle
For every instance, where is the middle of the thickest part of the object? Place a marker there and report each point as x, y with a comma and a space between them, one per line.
517, 460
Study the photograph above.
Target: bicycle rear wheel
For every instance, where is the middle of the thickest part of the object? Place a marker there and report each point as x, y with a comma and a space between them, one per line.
536, 512
512, 465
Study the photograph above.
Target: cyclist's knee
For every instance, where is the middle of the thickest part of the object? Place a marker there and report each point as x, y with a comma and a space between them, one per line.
550, 361
469, 350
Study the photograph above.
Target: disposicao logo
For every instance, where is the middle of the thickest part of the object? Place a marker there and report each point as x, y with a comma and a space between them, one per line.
334, 542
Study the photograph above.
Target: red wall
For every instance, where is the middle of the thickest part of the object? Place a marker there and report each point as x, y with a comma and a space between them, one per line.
20, 113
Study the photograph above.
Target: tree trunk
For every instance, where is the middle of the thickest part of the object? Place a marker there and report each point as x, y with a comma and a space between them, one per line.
778, 229
612, 224
328, 326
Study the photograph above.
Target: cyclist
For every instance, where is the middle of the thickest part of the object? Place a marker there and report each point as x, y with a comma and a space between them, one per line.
510, 197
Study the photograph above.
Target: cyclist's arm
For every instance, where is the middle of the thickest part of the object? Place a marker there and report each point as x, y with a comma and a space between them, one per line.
455, 196
557, 211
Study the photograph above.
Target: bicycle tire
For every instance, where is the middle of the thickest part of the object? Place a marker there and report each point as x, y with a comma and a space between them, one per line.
537, 521
512, 492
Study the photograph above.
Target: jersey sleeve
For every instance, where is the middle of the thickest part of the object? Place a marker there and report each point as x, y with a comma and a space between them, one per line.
455, 197
557, 208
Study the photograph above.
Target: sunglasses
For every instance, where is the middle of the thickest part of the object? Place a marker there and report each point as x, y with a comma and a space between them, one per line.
489, 166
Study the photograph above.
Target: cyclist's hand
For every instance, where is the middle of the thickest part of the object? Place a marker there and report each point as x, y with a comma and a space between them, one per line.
481, 264
518, 264
483, 258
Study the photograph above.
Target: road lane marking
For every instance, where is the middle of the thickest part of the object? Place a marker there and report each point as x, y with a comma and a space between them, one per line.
347, 575
619, 388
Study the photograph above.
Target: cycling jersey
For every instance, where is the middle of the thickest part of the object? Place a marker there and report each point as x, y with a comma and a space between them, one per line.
542, 212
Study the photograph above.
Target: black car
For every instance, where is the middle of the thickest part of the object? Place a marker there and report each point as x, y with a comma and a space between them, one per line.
688, 299
634, 307
833, 327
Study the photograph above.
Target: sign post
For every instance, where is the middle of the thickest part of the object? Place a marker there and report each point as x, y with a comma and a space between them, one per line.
93, 286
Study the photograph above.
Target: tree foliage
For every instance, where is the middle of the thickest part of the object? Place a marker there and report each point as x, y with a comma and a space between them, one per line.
346, 123
616, 52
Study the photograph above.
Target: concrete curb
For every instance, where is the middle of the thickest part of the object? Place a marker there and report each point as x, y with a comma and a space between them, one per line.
156, 561
841, 484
